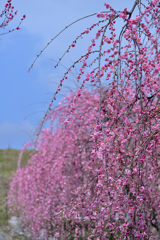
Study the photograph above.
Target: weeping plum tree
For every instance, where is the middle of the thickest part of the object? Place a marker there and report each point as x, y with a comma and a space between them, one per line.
95, 172
7, 16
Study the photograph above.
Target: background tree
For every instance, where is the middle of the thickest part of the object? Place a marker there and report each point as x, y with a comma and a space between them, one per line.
96, 174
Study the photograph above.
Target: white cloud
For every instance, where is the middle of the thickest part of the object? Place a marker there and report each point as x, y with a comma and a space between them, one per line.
15, 135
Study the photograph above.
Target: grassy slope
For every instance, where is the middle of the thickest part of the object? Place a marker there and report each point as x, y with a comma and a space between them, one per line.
8, 166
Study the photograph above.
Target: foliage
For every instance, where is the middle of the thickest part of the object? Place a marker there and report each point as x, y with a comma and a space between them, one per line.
96, 175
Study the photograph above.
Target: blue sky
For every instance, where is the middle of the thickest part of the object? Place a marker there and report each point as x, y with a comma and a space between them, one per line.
24, 97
